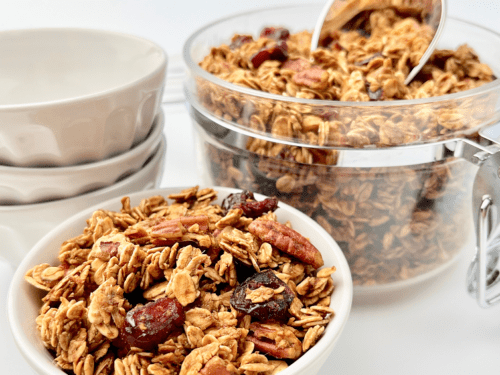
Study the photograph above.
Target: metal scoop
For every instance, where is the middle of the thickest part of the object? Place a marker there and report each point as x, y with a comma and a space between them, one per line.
337, 13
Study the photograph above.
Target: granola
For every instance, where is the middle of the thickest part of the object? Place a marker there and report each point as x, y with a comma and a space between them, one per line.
152, 290
353, 66
393, 224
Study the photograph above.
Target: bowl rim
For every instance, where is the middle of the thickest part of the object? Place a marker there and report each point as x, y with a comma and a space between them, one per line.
151, 140
195, 68
159, 69
152, 160
38, 361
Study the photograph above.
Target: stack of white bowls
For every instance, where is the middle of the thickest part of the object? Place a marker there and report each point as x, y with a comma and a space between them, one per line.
80, 123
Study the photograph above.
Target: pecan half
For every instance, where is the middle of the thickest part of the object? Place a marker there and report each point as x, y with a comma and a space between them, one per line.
273, 339
182, 229
177, 227
314, 78
287, 240
297, 65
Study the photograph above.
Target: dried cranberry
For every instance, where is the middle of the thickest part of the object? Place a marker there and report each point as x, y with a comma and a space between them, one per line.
261, 56
276, 33
238, 40
247, 203
277, 51
147, 326
273, 309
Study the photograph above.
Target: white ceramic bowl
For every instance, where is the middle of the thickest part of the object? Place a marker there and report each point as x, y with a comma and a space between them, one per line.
72, 96
24, 300
21, 226
20, 185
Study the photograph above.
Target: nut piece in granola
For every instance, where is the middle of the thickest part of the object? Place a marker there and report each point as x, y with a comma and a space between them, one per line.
287, 240
276, 340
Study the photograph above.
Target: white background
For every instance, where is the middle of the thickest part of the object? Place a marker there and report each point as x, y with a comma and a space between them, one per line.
436, 329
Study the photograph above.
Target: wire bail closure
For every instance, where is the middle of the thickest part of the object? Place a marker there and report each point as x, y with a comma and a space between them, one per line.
483, 274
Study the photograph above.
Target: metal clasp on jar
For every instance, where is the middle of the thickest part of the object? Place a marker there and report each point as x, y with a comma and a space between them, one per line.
483, 274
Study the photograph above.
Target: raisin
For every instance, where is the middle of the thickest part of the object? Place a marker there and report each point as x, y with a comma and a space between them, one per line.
250, 207
238, 40
276, 33
234, 199
277, 51
274, 309
149, 325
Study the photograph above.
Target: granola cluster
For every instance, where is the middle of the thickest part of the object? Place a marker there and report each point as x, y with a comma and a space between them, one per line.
394, 223
188, 287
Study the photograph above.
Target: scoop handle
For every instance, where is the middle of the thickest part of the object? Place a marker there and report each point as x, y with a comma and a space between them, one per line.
336, 14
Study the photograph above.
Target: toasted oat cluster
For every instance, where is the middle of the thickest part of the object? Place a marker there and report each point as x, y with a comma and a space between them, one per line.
189, 287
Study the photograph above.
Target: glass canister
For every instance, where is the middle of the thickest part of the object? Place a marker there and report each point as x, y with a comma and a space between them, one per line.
398, 203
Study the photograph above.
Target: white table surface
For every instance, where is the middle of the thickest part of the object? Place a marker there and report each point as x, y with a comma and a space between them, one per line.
435, 330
